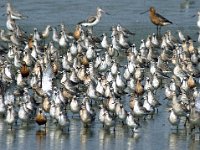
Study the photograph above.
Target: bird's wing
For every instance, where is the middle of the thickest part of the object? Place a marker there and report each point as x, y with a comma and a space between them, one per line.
161, 18
91, 19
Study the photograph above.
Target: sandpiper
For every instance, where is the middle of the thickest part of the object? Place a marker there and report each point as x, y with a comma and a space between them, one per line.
157, 19
40, 118
10, 116
93, 20
131, 122
198, 21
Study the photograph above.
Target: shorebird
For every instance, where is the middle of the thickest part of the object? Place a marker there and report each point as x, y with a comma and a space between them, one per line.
131, 122
46, 32
10, 23
109, 121
104, 42
40, 118
173, 118
102, 111
63, 120
10, 116
194, 117
198, 21
157, 19
77, 32
74, 105
121, 112
85, 116
2, 105
14, 14
23, 113
46, 103
24, 69
93, 20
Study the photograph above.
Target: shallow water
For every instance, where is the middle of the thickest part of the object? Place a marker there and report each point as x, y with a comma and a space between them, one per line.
155, 134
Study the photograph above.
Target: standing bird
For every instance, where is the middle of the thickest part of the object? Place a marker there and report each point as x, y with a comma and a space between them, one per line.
77, 32
10, 116
24, 69
131, 122
157, 19
198, 21
93, 20
173, 118
40, 118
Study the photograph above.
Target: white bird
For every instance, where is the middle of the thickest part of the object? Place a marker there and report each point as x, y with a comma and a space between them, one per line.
23, 113
93, 20
198, 21
10, 116
181, 36
104, 42
173, 118
131, 122
63, 120
108, 120
10, 23
121, 113
46, 32
14, 14
74, 105
102, 111
2, 105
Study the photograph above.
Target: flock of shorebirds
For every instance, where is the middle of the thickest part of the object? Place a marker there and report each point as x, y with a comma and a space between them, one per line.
48, 75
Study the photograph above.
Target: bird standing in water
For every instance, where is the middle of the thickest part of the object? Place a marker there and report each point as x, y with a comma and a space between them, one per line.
24, 69
157, 19
40, 118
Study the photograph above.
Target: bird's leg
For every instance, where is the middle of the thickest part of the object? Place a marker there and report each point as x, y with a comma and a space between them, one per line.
186, 120
132, 130
114, 129
157, 30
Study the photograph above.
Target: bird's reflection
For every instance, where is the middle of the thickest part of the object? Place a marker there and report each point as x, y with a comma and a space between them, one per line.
60, 135
130, 143
172, 141
136, 136
175, 136
41, 135
85, 134
105, 136
10, 136
120, 131
22, 134
194, 143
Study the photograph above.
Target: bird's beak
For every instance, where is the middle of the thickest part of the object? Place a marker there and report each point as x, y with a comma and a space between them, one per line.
144, 12
193, 16
105, 12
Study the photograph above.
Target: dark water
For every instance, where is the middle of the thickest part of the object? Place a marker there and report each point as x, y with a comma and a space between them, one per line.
155, 134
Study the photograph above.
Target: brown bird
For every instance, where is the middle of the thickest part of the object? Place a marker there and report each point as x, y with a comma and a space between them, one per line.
77, 32
139, 89
191, 82
157, 19
55, 67
40, 118
46, 103
132, 101
30, 42
84, 60
24, 69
